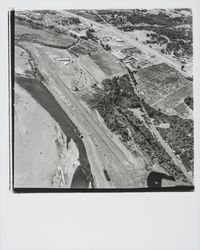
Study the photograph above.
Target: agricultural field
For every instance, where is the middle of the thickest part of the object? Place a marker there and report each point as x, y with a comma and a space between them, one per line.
46, 20
84, 48
92, 68
159, 83
107, 63
175, 98
48, 38
183, 111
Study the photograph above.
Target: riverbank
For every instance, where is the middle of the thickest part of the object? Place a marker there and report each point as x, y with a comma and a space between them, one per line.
40, 93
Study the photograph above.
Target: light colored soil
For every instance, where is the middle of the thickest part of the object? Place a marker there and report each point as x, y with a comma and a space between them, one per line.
107, 63
21, 61
39, 162
90, 66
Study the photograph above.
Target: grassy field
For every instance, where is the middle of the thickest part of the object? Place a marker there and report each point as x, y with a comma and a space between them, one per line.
48, 38
107, 63
90, 66
84, 48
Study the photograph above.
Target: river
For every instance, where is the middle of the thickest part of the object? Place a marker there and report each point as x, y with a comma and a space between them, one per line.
82, 176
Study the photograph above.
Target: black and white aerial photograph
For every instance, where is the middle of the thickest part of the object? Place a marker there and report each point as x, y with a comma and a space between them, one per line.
103, 100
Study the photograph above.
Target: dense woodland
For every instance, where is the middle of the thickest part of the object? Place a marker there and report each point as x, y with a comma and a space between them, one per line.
189, 101
115, 103
179, 135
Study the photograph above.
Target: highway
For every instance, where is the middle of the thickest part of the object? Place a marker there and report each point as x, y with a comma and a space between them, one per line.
111, 29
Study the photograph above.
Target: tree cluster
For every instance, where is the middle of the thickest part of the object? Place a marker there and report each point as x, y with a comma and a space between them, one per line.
90, 35
189, 101
115, 102
179, 135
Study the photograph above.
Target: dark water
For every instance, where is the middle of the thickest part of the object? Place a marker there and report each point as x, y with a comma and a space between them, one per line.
79, 179
155, 179
40, 93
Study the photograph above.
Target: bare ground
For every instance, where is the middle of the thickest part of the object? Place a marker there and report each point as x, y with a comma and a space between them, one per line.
42, 156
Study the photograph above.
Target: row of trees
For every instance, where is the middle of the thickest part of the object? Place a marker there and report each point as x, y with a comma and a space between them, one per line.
180, 40
155, 38
105, 46
142, 16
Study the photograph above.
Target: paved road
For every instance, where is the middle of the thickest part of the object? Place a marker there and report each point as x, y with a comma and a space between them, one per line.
108, 28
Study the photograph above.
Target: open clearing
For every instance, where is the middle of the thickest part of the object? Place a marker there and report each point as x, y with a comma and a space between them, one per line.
107, 63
